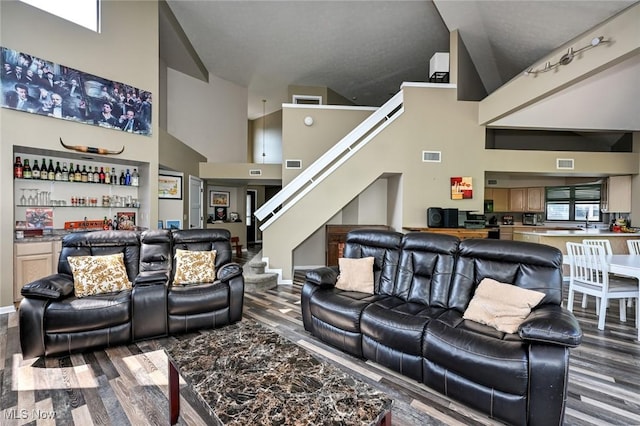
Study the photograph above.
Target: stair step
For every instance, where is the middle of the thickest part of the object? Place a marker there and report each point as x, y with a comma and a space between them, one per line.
260, 282
255, 267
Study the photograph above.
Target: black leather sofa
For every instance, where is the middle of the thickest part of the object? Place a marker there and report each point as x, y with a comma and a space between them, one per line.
413, 323
53, 321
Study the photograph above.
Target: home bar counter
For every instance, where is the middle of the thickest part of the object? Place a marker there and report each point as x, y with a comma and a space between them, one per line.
559, 239
462, 233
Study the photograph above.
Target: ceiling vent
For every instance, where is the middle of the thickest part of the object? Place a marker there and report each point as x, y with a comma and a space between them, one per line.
564, 163
432, 156
255, 172
293, 164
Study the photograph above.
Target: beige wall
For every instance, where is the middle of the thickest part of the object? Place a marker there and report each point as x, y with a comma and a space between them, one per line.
272, 133
24, 28
209, 117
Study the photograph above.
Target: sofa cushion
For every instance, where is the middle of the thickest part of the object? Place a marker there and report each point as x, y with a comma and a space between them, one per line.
502, 306
196, 299
98, 274
194, 267
356, 274
76, 315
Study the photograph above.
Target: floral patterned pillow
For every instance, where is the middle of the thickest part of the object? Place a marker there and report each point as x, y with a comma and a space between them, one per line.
98, 274
193, 267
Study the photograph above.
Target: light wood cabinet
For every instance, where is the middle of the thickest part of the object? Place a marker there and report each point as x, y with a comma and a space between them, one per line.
336, 236
526, 199
500, 198
33, 261
616, 194
517, 199
461, 233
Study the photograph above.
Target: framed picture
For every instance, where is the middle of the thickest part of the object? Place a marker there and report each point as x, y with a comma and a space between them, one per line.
126, 221
39, 86
174, 224
218, 199
461, 188
170, 187
220, 214
160, 224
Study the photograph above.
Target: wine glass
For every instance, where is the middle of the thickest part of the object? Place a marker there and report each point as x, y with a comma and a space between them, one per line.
33, 199
23, 199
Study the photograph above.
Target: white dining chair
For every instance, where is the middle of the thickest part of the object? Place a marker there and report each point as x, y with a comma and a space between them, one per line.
606, 244
589, 274
633, 246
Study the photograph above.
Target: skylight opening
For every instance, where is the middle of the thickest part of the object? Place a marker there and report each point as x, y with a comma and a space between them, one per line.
82, 12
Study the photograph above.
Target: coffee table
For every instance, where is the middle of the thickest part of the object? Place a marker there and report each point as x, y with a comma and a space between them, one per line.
245, 373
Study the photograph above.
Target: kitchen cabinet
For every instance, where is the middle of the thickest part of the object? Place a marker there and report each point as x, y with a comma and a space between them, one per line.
500, 198
526, 199
33, 261
616, 195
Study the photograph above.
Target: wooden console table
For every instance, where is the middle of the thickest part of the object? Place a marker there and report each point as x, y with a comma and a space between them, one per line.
461, 233
336, 236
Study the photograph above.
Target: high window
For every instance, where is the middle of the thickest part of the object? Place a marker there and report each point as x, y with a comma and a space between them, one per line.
81, 12
573, 203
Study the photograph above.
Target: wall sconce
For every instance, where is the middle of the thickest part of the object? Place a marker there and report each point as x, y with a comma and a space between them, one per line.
308, 120
567, 57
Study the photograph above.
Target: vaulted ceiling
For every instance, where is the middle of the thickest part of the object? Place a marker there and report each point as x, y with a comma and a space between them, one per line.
364, 50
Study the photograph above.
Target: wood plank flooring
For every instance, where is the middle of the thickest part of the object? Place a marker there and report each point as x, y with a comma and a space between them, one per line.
127, 385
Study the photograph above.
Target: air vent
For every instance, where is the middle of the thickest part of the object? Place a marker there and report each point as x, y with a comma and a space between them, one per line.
293, 164
432, 156
492, 181
564, 163
255, 172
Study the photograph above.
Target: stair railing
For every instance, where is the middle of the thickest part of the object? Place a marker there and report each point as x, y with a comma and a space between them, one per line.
330, 160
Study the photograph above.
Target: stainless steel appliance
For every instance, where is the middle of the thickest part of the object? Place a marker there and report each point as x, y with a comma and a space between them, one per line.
529, 219
507, 219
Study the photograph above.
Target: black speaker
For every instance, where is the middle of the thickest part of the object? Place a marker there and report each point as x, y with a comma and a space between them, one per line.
434, 217
450, 218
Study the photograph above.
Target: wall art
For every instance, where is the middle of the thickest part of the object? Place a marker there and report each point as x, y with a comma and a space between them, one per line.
170, 187
461, 188
38, 86
218, 199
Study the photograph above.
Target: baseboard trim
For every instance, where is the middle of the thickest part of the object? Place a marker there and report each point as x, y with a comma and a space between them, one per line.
7, 309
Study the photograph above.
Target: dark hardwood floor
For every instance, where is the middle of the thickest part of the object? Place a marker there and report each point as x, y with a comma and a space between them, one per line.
127, 385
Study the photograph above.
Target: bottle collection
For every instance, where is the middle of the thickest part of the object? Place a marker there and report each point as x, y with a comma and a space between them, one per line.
93, 175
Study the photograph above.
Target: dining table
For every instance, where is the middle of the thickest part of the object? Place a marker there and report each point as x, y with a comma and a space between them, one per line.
627, 265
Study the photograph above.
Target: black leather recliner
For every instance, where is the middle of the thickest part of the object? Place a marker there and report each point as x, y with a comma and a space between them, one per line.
413, 323
53, 321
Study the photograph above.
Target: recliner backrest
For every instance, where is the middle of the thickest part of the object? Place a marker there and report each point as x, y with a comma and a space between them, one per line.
100, 243
155, 250
426, 267
532, 266
202, 240
384, 247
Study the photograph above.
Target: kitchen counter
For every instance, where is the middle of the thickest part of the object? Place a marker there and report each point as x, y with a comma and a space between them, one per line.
585, 233
559, 238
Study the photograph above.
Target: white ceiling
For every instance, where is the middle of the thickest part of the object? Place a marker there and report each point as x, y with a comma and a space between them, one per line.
364, 50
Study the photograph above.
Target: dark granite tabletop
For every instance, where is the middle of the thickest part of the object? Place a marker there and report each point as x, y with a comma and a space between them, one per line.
248, 374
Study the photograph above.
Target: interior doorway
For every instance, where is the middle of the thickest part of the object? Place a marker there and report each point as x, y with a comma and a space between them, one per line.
252, 197
195, 202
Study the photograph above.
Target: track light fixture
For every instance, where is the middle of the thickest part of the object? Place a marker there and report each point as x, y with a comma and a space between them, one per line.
566, 58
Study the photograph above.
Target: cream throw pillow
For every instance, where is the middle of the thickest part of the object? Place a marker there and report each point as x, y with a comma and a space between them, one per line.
98, 274
501, 306
356, 274
193, 267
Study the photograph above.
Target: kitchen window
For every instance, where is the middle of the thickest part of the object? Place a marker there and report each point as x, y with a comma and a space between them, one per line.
573, 203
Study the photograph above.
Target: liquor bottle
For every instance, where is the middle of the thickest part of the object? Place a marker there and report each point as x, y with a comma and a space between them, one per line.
51, 171
57, 172
127, 178
65, 172
96, 175
114, 177
43, 170
90, 175
72, 175
35, 172
122, 178
135, 178
77, 176
26, 169
102, 177
17, 168
107, 176
84, 176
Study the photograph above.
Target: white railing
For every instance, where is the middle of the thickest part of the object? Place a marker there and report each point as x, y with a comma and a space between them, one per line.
330, 160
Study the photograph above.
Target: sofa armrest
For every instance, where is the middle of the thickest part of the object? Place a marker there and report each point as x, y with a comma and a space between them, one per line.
56, 286
229, 271
323, 277
551, 324
149, 278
